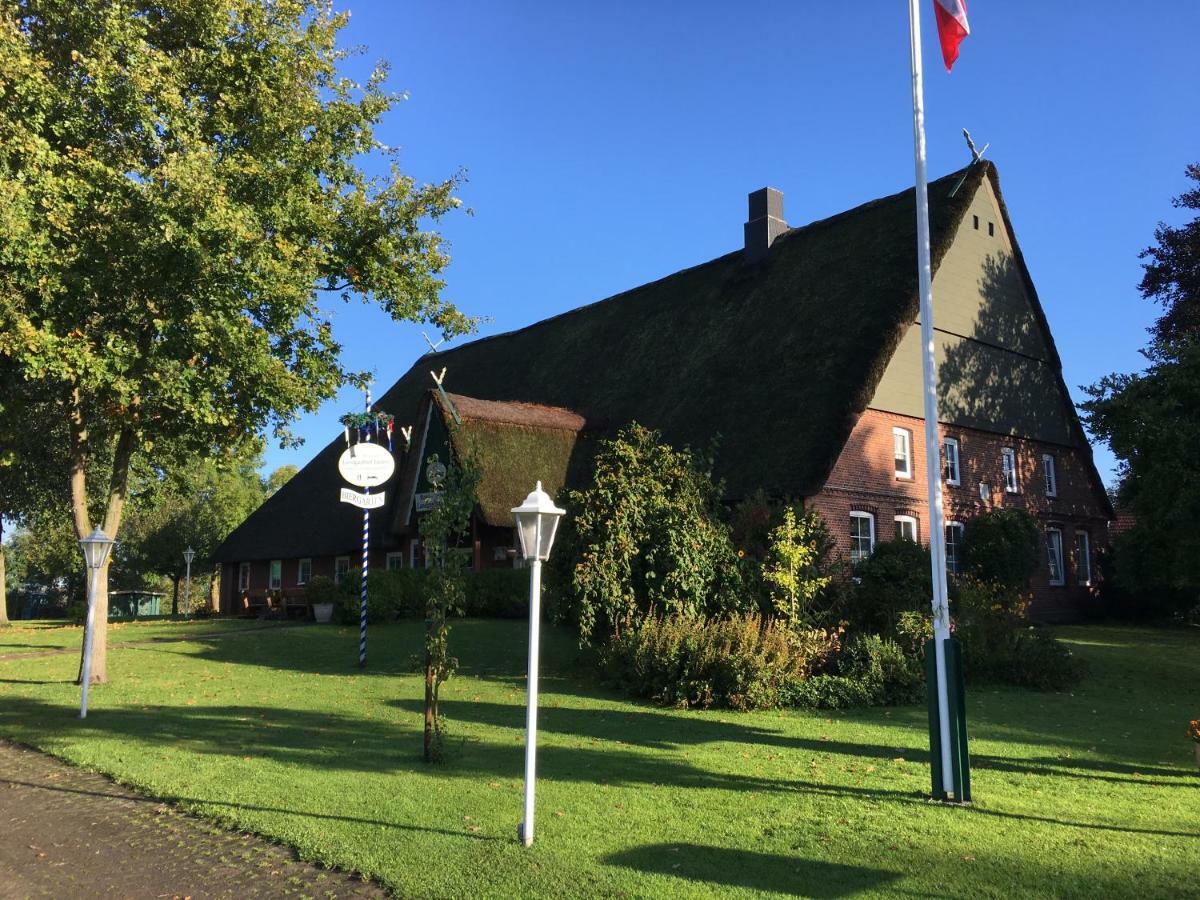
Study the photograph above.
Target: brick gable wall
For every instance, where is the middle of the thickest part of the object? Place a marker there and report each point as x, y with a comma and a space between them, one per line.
864, 479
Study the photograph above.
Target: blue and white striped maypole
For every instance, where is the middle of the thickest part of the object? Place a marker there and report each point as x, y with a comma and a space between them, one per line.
362, 609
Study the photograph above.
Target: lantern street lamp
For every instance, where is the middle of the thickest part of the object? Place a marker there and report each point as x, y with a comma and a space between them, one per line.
188, 555
96, 547
537, 521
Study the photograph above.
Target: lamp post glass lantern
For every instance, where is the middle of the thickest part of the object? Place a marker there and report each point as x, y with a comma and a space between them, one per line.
537, 522
188, 555
96, 547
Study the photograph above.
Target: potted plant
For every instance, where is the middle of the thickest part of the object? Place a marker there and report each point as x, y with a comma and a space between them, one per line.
1194, 733
321, 592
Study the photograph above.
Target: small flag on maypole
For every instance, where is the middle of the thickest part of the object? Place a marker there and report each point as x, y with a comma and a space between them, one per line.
952, 27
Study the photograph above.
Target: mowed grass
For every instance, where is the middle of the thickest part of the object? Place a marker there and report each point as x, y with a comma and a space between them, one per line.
1090, 794
41, 635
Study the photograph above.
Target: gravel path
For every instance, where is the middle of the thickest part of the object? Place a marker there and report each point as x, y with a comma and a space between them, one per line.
65, 832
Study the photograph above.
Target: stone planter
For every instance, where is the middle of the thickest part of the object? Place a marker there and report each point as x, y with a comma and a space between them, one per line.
323, 612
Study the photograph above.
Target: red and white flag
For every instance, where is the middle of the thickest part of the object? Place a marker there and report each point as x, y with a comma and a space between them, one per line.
952, 27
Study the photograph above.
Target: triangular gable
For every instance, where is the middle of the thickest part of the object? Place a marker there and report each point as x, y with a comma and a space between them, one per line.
998, 368
515, 445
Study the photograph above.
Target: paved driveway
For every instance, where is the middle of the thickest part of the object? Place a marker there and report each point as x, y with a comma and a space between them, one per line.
68, 833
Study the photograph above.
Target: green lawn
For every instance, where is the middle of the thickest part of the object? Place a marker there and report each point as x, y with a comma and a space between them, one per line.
1091, 794
40, 635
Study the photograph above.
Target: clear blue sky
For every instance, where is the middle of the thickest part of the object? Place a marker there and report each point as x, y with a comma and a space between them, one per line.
611, 144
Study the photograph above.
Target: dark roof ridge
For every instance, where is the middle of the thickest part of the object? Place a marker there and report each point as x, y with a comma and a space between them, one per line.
831, 220
817, 224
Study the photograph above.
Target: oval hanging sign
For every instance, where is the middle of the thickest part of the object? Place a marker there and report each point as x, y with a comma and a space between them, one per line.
366, 465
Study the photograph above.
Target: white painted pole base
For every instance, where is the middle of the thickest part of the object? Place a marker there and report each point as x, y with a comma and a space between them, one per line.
525, 829
88, 631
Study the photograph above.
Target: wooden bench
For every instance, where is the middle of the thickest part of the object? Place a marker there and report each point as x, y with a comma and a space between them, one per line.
274, 605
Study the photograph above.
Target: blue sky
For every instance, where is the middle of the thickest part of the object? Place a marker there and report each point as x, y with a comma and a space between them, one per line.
607, 145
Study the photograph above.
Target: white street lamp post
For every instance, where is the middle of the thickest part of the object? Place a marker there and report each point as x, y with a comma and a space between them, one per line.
188, 555
537, 521
96, 547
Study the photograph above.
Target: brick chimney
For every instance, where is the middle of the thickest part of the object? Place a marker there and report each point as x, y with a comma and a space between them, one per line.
765, 224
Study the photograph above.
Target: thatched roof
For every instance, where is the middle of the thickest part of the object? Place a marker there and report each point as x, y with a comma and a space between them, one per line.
515, 445
776, 360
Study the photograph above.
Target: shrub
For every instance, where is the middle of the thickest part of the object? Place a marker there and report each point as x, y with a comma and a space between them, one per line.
1131, 582
321, 590
742, 661
999, 645
894, 676
830, 692
1002, 546
497, 594
893, 580
391, 595
913, 629
1038, 661
648, 534
872, 671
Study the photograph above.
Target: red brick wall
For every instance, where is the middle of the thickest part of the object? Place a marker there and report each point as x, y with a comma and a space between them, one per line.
864, 478
488, 538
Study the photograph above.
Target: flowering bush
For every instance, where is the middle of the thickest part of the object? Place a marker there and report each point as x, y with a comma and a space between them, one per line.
741, 661
1194, 730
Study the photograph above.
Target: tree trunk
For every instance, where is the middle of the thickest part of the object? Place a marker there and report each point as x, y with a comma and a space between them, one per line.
429, 710
175, 596
100, 632
118, 487
3, 587
214, 590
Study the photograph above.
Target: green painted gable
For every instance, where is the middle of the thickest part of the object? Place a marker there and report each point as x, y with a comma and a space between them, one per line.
997, 368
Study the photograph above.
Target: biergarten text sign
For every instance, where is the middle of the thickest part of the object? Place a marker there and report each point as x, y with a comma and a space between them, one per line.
362, 501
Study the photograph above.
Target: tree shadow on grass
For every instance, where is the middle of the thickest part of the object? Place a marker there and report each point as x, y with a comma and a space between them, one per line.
656, 730
728, 867
333, 741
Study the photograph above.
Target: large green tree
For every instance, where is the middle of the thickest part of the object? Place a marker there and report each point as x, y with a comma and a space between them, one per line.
1151, 420
196, 505
178, 182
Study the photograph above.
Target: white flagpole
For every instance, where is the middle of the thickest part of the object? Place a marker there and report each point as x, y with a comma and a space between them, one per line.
933, 456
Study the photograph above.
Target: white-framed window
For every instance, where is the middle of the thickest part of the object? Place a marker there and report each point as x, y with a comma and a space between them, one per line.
414, 553
304, 571
395, 561
341, 568
1008, 461
244, 576
1054, 555
1050, 470
862, 535
906, 528
950, 468
276, 580
902, 451
1083, 558
954, 543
